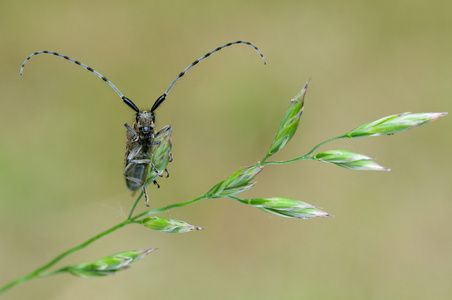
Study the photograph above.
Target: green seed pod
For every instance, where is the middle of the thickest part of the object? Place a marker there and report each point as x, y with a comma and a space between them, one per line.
167, 225
160, 158
289, 123
236, 183
285, 207
393, 124
349, 160
108, 265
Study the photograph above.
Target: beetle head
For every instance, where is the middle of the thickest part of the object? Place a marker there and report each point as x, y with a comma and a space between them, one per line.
145, 122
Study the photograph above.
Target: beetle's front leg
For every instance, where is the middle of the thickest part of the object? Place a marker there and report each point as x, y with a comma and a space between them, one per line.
132, 132
167, 129
164, 130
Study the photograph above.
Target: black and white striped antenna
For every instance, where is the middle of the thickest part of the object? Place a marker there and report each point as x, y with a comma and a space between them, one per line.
127, 100
162, 97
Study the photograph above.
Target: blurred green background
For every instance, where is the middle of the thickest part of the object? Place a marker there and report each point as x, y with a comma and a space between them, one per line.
63, 140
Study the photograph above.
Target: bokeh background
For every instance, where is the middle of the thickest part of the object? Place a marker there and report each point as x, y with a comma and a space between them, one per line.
63, 140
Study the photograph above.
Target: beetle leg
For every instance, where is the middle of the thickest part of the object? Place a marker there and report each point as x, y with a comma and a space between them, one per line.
146, 198
144, 161
132, 132
156, 183
133, 162
134, 152
128, 168
162, 131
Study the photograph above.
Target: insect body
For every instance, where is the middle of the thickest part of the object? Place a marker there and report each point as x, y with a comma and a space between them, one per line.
141, 139
142, 136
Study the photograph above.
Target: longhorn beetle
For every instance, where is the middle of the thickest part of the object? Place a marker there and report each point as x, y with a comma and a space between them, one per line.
142, 136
